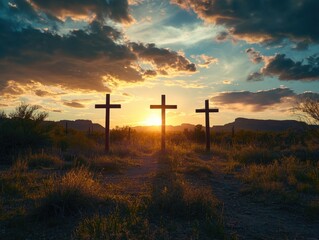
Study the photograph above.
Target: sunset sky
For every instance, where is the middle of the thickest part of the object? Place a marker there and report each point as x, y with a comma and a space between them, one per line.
251, 58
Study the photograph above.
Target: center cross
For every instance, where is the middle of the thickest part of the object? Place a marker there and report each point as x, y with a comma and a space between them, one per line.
163, 106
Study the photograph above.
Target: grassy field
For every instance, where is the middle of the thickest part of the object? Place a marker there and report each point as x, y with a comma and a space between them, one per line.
72, 190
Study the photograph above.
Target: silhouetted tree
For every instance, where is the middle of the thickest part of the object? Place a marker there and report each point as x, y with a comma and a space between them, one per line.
309, 108
3, 115
28, 112
23, 129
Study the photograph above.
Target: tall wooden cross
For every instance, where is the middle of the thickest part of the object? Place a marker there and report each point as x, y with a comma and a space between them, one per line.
163, 106
107, 107
206, 110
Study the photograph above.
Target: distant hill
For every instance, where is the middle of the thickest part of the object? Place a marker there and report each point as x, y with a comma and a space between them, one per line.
238, 124
82, 125
262, 125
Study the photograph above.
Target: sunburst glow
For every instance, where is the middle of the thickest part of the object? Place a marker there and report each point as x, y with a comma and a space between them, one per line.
152, 120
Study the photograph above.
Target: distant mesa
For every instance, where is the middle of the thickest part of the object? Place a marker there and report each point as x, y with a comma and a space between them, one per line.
238, 124
262, 125
82, 125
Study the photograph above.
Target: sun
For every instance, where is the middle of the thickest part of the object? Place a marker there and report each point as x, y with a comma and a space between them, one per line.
152, 120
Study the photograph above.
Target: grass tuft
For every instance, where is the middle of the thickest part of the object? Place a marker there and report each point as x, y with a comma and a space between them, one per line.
77, 190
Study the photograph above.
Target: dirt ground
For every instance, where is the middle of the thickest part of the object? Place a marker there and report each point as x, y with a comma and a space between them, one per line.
244, 216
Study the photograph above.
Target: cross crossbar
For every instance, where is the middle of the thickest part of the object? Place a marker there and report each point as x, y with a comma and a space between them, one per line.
207, 110
107, 107
163, 106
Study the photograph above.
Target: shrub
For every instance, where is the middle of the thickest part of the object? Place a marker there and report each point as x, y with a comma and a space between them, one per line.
178, 198
24, 129
113, 226
77, 190
17, 181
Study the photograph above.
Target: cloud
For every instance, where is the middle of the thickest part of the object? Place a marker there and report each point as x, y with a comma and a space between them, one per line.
301, 46
287, 69
259, 20
82, 59
227, 82
117, 10
257, 101
42, 93
261, 100
254, 55
204, 61
73, 104
222, 36
162, 59
255, 76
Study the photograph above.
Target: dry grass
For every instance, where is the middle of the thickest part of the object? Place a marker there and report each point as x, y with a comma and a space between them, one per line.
288, 180
111, 163
282, 174
77, 190
44, 161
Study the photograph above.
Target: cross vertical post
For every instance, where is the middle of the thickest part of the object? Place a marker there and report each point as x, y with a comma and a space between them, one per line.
163, 107
107, 107
207, 110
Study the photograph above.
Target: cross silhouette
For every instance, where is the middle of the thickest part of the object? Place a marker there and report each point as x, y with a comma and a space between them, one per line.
206, 110
163, 106
107, 107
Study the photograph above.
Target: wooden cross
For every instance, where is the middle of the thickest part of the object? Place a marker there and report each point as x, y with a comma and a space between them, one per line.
206, 110
107, 107
163, 106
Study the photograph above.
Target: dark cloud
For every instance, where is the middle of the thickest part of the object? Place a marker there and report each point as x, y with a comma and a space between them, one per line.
73, 104
284, 67
222, 36
163, 59
117, 10
42, 93
78, 60
22, 9
254, 55
82, 59
261, 100
260, 20
256, 77
301, 46
287, 69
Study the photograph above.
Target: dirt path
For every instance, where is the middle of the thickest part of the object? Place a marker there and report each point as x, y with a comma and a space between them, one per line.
244, 217
248, 219
134, 180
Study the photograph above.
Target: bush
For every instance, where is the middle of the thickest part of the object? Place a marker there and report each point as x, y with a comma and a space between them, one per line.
113, 226
77, 190
24, 129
